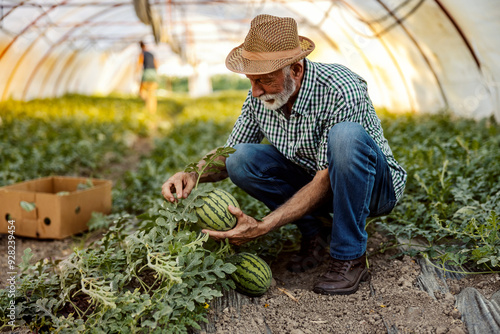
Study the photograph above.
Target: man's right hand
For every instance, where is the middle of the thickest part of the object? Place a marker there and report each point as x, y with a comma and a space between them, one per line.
181, 184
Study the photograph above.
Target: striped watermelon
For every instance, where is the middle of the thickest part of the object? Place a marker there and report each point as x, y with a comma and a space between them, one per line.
252, 276
214, 214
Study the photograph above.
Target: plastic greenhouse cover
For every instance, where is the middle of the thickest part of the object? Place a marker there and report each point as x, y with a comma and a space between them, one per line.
416, 55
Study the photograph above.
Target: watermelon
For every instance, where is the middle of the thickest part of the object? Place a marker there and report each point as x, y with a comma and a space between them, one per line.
252, 276
214, 214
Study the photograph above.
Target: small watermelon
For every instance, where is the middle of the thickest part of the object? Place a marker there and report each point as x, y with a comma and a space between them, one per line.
214, 214
252, 276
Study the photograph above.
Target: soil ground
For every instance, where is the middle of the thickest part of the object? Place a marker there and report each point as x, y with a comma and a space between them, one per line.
391, 302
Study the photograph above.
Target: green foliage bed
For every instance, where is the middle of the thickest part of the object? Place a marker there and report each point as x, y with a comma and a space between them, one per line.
452, 198
152, 271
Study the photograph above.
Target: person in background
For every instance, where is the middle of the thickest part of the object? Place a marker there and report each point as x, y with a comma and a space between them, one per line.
327, 155
149, 78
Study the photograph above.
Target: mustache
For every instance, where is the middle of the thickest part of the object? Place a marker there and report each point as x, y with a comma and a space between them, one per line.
267, 97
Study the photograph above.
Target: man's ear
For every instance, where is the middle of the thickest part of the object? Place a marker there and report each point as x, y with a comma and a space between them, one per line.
297, 69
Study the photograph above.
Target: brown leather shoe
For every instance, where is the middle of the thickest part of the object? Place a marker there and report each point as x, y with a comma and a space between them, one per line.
313, 252
343, 277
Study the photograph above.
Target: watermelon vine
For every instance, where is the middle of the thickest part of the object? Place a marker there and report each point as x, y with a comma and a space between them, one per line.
154, 277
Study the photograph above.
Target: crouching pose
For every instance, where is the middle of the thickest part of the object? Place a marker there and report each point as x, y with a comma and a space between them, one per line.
327, 157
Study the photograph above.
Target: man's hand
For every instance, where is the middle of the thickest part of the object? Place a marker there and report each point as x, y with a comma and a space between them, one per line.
247, 228
181, 184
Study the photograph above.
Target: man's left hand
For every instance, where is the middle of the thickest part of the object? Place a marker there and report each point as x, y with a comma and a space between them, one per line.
247, 228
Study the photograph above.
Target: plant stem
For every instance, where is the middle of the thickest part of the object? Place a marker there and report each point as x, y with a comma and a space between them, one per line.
460, 272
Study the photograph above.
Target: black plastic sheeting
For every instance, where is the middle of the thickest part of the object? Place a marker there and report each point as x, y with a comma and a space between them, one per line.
480, 315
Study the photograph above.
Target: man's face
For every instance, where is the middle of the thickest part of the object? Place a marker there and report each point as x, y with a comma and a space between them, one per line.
273, 89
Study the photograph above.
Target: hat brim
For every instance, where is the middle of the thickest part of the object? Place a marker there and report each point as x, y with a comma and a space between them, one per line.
235, 62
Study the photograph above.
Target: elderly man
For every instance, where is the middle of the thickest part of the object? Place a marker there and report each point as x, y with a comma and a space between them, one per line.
327, 155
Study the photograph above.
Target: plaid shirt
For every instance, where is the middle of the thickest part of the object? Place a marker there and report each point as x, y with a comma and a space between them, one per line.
330, 94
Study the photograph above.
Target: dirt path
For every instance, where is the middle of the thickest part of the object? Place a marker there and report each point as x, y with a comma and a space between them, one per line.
139, 147
392, 302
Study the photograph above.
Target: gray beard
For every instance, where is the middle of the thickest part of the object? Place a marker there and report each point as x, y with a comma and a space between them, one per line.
280, 98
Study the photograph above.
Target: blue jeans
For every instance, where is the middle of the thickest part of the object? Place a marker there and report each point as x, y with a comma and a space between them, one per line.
359, 178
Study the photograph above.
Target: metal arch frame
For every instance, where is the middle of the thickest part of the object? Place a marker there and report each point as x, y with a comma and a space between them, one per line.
32, 24
369, 66
64, 38
412, 38
170, 3
26, 51
12, 9
71, 57
61, 40
460, 32
332, 43
91, 24
4, 51
386, 48
64, 78
316, 27
68, 62
50, 71
70, 74
391, 55
422, 53
399, 22
376, 75
68, 4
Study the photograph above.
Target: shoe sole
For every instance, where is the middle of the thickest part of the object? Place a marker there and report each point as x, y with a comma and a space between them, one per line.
348, 291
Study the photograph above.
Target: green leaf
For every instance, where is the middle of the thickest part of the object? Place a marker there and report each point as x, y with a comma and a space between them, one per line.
164, 311
161, 222
26, 258
190, 305
149, 323
87, 185
466, 210
27, 206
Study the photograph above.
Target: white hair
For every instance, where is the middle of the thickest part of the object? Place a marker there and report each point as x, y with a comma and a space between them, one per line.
286, 69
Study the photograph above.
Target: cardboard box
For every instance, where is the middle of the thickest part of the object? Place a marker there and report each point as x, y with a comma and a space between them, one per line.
60, 208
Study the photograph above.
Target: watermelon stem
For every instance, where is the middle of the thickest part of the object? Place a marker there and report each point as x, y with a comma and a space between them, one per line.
211, 163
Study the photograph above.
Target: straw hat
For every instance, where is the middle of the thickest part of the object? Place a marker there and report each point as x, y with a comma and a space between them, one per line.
271, 44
